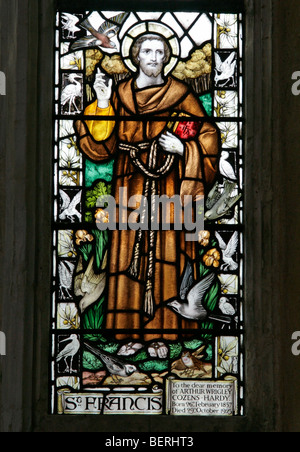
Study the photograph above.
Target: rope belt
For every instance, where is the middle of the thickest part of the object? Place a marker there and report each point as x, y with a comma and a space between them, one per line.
152, 174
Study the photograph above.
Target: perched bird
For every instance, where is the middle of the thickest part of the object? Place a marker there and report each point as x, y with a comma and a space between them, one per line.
89, 285
225, 307
228, 250
68, 208
193, 309
115, 366
69, 351
71, 92
225, 167
225, 70
224, 202
101, 37
69, 23
65, 271
189, 363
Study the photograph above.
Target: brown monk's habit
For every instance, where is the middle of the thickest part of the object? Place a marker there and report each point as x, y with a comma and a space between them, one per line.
131, 144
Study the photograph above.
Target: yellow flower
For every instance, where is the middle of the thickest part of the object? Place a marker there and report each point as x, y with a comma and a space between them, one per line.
83, 236
212, 258
203, 237
101, 216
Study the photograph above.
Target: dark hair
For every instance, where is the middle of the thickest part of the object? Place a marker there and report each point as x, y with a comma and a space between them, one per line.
149, 37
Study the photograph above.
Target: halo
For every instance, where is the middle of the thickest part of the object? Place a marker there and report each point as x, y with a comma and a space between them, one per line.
154, 28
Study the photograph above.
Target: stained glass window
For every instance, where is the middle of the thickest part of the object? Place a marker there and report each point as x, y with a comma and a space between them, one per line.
147, 288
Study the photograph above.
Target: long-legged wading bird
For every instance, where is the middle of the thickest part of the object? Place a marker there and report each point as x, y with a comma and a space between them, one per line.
69, 351
115, 366
192, 296
71, 92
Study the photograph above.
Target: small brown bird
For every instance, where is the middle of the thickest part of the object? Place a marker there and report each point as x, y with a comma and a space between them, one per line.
190, 362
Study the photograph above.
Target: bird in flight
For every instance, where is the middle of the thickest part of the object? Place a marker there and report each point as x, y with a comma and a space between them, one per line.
101, 37
68, 208
225, 70
69, 22
228, 250
192, 296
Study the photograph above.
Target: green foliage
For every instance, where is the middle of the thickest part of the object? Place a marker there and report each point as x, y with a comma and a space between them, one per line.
211, 298
93, 318
154, 366
91, 362
101, 240
86, 250
100, 189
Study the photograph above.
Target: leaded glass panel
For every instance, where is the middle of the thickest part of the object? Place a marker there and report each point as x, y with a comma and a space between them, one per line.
147, 285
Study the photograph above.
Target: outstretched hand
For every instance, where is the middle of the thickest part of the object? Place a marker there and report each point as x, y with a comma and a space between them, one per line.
103, 92
170, 143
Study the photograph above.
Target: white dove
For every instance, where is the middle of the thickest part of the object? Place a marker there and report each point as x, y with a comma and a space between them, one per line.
225, 167
225, 307
69, 351
193, 308
89, 285
69, 23
68, 208
228, 251
226, 69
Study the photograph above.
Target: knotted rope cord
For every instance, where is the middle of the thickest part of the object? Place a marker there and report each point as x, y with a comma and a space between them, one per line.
152, 174
134, 151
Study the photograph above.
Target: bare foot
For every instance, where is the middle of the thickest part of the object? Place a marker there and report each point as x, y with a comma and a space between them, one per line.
158, 350
130, 349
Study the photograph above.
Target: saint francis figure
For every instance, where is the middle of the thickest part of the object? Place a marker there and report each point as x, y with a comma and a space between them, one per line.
130, 123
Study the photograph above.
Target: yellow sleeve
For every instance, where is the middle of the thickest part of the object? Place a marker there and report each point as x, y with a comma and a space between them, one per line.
100, 130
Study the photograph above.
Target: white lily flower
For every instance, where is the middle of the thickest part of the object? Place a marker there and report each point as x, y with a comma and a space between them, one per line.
227, 31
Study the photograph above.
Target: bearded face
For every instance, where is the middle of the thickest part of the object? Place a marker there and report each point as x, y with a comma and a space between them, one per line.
152, 57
